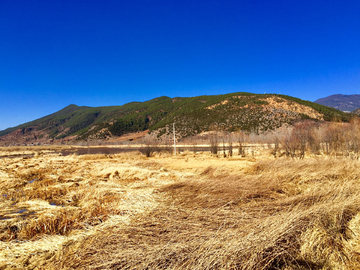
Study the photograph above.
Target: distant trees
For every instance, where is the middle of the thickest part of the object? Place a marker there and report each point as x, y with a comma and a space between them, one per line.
296, 141
307, 136
299, 140
122, 126
338, 139
224, 141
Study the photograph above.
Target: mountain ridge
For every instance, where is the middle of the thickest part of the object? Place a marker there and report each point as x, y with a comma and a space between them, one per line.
192, 115
347, 103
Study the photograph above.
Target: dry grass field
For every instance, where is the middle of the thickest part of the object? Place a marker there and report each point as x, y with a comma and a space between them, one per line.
190, 211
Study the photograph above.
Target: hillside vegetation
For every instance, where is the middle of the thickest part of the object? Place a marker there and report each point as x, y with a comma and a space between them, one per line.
235, 111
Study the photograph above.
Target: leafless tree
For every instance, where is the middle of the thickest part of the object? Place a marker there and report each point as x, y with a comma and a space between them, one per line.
240, 137
150, 145
214, 143
230, 143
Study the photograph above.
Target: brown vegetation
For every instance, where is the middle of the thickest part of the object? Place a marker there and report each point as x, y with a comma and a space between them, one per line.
190, 211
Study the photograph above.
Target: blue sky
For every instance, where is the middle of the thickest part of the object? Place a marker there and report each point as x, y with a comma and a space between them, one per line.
100, 53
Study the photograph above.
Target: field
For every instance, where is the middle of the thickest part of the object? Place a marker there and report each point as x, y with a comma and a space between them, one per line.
189, 211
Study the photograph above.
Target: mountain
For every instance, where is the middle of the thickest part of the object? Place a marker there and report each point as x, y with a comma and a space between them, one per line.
235, 111
345, 103
356, 111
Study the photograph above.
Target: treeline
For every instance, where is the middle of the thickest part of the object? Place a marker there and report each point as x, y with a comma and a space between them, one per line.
304, 137
339, 139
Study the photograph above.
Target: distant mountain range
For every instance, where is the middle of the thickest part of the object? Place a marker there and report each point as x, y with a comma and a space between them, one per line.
357, 111
231, 112
345, 103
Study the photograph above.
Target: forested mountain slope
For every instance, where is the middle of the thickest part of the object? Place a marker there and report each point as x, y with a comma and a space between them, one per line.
234, 111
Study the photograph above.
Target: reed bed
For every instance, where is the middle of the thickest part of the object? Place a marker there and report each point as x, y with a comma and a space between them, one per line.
127, 211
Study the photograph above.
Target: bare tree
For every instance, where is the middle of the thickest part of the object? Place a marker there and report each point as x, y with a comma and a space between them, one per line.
150, 145
214, 143
193, 142
240, 137
276, 149
223, 137
301, 140
230, 143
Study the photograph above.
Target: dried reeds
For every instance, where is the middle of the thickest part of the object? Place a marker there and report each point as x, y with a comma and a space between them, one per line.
253, 221
270, 214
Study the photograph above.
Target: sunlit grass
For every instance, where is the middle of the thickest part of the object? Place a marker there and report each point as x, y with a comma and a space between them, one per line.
191, 211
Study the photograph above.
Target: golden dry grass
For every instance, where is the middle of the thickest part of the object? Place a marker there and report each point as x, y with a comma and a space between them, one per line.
191, 211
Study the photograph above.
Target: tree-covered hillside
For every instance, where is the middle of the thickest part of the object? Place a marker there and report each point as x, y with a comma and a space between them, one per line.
234, 111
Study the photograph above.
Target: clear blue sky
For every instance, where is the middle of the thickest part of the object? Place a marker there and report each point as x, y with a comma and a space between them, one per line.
99, 53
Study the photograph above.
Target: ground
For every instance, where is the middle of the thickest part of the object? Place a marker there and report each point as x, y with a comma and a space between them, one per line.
189, 211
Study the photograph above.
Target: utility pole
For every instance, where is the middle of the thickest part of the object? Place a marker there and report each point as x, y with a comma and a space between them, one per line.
174, 138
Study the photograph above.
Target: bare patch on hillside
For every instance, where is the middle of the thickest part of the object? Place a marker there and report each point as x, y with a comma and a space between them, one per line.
277, 103
226, 101
280, 103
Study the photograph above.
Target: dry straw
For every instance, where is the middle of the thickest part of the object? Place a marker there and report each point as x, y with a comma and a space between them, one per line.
132, 212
